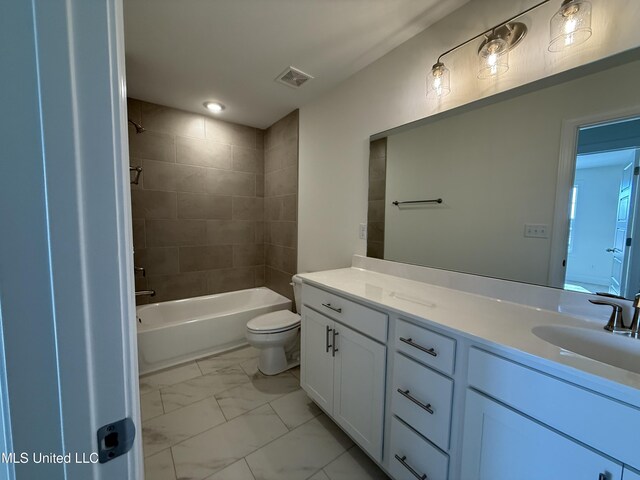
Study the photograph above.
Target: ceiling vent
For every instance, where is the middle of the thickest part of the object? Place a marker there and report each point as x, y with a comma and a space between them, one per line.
293, 77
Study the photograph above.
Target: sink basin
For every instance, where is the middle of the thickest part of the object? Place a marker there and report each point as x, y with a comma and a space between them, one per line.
613, 349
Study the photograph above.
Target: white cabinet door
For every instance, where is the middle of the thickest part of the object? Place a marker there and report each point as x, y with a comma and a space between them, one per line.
316, 372
359, 372
501, 444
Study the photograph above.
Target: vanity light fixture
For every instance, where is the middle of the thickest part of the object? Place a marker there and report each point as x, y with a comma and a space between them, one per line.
571, 25
215, 107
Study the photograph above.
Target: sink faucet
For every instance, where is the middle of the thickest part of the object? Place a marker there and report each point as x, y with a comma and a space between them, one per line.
635, 324
616, 320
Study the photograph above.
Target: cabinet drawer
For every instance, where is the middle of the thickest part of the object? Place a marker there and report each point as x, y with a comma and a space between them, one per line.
600, 422
411, 456
429, 347
360, 318
425, 403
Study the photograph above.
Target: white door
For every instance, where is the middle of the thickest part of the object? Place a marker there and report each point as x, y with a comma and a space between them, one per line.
359, 373
316, 375
501, 444
620, 249
67, 313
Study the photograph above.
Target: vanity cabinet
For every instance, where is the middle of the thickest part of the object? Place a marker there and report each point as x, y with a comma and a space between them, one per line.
343, 371
450, 407
502, 444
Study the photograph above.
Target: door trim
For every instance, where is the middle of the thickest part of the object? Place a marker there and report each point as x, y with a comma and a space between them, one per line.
565, 179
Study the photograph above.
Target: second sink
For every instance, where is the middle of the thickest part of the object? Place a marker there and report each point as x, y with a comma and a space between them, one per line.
616, 350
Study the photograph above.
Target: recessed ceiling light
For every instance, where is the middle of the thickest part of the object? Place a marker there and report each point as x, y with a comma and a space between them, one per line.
215, 107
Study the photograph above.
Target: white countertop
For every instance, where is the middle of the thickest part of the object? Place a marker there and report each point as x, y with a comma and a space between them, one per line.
497, 323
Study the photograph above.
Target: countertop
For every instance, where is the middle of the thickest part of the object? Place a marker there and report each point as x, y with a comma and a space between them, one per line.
499, 324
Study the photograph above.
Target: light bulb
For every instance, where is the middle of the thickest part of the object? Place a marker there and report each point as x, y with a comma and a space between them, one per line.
215, 107
570, 26
493, 57
438, 81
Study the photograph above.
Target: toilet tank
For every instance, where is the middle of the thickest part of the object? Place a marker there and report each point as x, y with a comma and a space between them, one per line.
296, 281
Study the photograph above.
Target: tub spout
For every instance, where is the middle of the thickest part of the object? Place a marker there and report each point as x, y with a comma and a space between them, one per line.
150, 293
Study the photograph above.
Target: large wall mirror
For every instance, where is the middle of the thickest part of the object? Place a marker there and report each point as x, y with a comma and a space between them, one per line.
537, 185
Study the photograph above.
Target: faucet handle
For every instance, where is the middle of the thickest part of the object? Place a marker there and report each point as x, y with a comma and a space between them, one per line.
610, 295
616, 320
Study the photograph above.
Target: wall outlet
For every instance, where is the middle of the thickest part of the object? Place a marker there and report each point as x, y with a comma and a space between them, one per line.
536, 231
363, 231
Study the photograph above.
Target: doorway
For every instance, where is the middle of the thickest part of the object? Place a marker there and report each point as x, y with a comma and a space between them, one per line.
602, 209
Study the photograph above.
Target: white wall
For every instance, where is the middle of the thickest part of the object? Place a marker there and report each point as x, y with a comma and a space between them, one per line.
496, 168
335, 128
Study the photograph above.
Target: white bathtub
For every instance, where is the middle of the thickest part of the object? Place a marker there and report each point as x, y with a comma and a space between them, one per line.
181, 330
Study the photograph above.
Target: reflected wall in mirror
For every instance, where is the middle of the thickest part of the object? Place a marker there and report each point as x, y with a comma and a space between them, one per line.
531, 186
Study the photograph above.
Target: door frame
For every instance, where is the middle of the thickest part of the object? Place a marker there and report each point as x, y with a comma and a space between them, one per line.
66, 267
564, 184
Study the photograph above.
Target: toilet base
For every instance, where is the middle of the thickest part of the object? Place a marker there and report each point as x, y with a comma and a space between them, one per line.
273, 361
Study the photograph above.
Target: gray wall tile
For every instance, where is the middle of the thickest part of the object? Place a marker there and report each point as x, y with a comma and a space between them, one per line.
178, 286
194, 151
152, 146
173, 177
158, 118
221, 182
230, 232
153, 204
230, 133
204, 206
248, 208
171, 233
248, 255
248, 159
200, 258
199, 208
157, 260
279, 282
139, 233
230, 279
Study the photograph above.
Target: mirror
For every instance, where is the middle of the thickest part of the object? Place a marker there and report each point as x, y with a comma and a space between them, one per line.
537, 185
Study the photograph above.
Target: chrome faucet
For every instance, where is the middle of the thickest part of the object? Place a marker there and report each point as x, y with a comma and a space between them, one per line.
616, 320
151, 293
635, 326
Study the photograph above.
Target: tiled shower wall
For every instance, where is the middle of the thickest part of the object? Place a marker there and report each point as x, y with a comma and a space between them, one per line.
377, 186
198, 212
281, 202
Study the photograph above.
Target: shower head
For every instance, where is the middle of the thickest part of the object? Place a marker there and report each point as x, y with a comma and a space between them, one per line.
139, 128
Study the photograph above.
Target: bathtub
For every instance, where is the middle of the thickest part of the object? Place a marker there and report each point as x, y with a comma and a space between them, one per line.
181, 330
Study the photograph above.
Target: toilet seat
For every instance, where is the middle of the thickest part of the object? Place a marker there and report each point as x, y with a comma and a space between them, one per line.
274, 322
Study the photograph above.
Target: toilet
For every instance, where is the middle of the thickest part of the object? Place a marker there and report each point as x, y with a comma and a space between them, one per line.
277, 336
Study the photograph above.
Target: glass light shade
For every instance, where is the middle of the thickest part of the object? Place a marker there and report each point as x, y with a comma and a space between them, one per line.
570, 26
438, 81
494, 58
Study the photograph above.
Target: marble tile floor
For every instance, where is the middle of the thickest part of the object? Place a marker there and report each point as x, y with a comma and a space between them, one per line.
219, 418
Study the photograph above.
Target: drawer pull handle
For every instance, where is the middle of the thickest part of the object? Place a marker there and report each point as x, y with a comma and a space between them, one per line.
331, 307
333, 347
405, 394
409, 341
326, 340
402, 460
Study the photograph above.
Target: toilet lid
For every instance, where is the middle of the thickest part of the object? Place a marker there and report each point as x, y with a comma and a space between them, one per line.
274, 321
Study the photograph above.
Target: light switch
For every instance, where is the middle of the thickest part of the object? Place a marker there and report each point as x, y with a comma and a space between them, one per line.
536, 230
